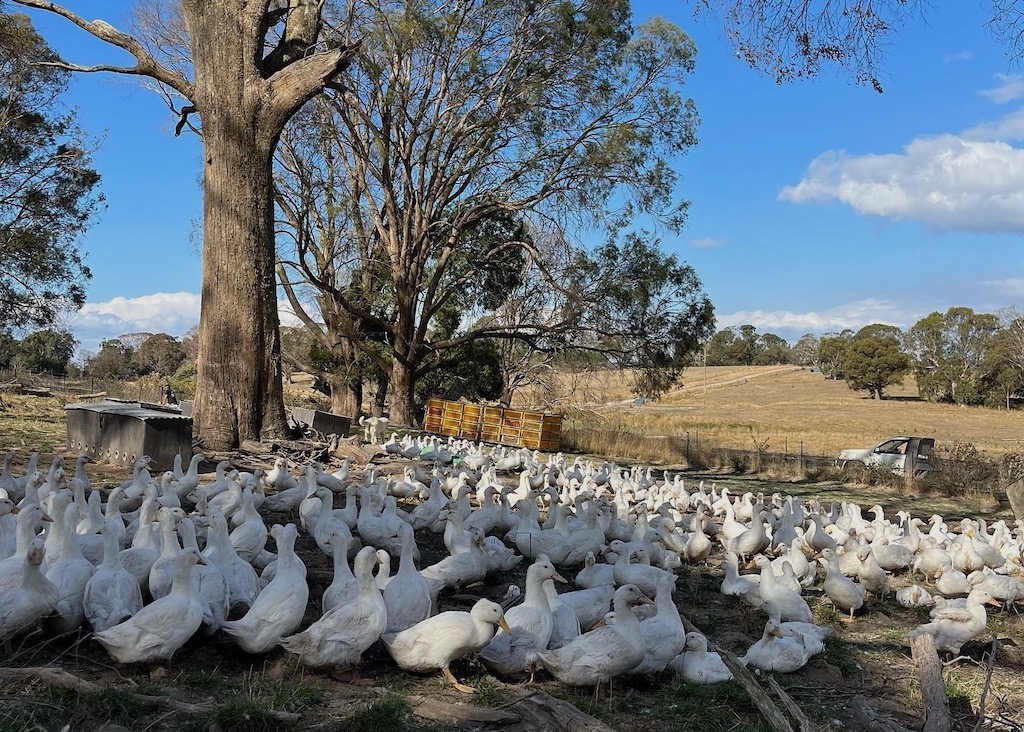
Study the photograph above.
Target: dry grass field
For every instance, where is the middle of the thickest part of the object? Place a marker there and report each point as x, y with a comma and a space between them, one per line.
742, 407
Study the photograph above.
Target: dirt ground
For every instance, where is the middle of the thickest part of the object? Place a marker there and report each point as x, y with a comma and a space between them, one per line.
211, 685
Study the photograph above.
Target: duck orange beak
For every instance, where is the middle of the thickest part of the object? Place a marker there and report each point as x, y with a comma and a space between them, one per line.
560, 578
503, 625
15, 509
46, 517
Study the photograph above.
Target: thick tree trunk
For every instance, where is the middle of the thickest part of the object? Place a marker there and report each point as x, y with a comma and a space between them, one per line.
239, 394
401, 390
346, 397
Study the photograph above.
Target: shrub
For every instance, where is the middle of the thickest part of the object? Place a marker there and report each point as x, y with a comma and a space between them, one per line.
962, 469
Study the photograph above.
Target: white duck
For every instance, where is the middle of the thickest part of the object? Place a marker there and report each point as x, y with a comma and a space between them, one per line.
594, 574
344, 586
663, 634
602, 654
459, 569
30, 521
407, 596
243, 582
250, 536
279, 608
914, 596
590, 604
161, 574
951, 627
531, 624
32, 599
70, 574
565, 623
697, 665
435, 642
776, 652
207, 581
787, 601
339, 638
845, 594
162, 627
112, 594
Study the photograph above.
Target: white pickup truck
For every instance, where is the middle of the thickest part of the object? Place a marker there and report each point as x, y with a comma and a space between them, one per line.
893, 454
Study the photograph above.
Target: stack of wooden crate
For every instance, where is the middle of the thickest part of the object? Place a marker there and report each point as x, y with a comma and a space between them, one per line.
516, 427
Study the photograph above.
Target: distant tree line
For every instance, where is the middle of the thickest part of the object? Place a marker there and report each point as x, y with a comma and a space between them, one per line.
957, 357
129, 356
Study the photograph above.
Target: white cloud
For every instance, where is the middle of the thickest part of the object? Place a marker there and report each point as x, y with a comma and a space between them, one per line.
1011, 86
173, 313
791, 325
961, 56
162, 312
707, 242
1010, 127
1013, 287
945, 182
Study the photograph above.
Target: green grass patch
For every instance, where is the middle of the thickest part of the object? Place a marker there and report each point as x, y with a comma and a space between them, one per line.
389, 713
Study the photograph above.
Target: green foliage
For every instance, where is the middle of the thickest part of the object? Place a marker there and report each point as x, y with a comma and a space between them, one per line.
832, 354
652, 311
511, 116
114, 361
8, 349
46, 351
949, 352
475, 365
744, 346
184, 381
961, 469
874, 363
805, 351
243, 714
879, 330
47, 197
159, 353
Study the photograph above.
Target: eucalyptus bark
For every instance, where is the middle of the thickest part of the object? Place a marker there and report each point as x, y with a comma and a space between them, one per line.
239, 394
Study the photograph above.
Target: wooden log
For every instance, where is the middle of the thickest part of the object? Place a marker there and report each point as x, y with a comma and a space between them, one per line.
66, 680
36, 391
459, 715
257, 448
540, 711
772, 714
791, 706
933, 691
871, 719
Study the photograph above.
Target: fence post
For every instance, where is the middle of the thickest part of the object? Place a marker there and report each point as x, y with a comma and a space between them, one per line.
801, 456
687, 449
786, 446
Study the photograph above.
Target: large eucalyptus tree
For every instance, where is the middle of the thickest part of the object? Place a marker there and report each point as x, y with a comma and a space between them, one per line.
250, 66
464, 119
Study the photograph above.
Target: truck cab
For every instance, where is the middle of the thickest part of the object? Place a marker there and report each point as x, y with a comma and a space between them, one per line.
901, 455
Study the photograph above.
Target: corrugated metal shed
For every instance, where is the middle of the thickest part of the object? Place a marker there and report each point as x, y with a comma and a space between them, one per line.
120, 432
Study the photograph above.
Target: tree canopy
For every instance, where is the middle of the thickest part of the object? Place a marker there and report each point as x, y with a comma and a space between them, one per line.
48, 189
466, 132
875, 362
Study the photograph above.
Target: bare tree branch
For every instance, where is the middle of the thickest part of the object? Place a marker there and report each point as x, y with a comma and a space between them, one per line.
146, 66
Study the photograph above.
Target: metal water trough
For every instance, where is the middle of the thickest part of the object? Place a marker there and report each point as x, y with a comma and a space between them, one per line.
327, 423
120, 432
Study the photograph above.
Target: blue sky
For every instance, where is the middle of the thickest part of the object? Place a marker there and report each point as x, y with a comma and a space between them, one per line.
815, 206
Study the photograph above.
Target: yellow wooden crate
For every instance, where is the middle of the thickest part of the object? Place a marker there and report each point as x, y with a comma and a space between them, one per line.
517, 427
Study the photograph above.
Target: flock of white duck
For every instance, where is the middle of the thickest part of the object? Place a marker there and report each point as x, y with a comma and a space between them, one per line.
145, 574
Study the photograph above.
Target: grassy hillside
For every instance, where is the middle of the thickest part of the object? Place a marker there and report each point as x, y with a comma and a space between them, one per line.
742, 407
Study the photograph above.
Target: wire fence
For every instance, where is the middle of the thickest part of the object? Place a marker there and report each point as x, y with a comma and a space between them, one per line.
145, 389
